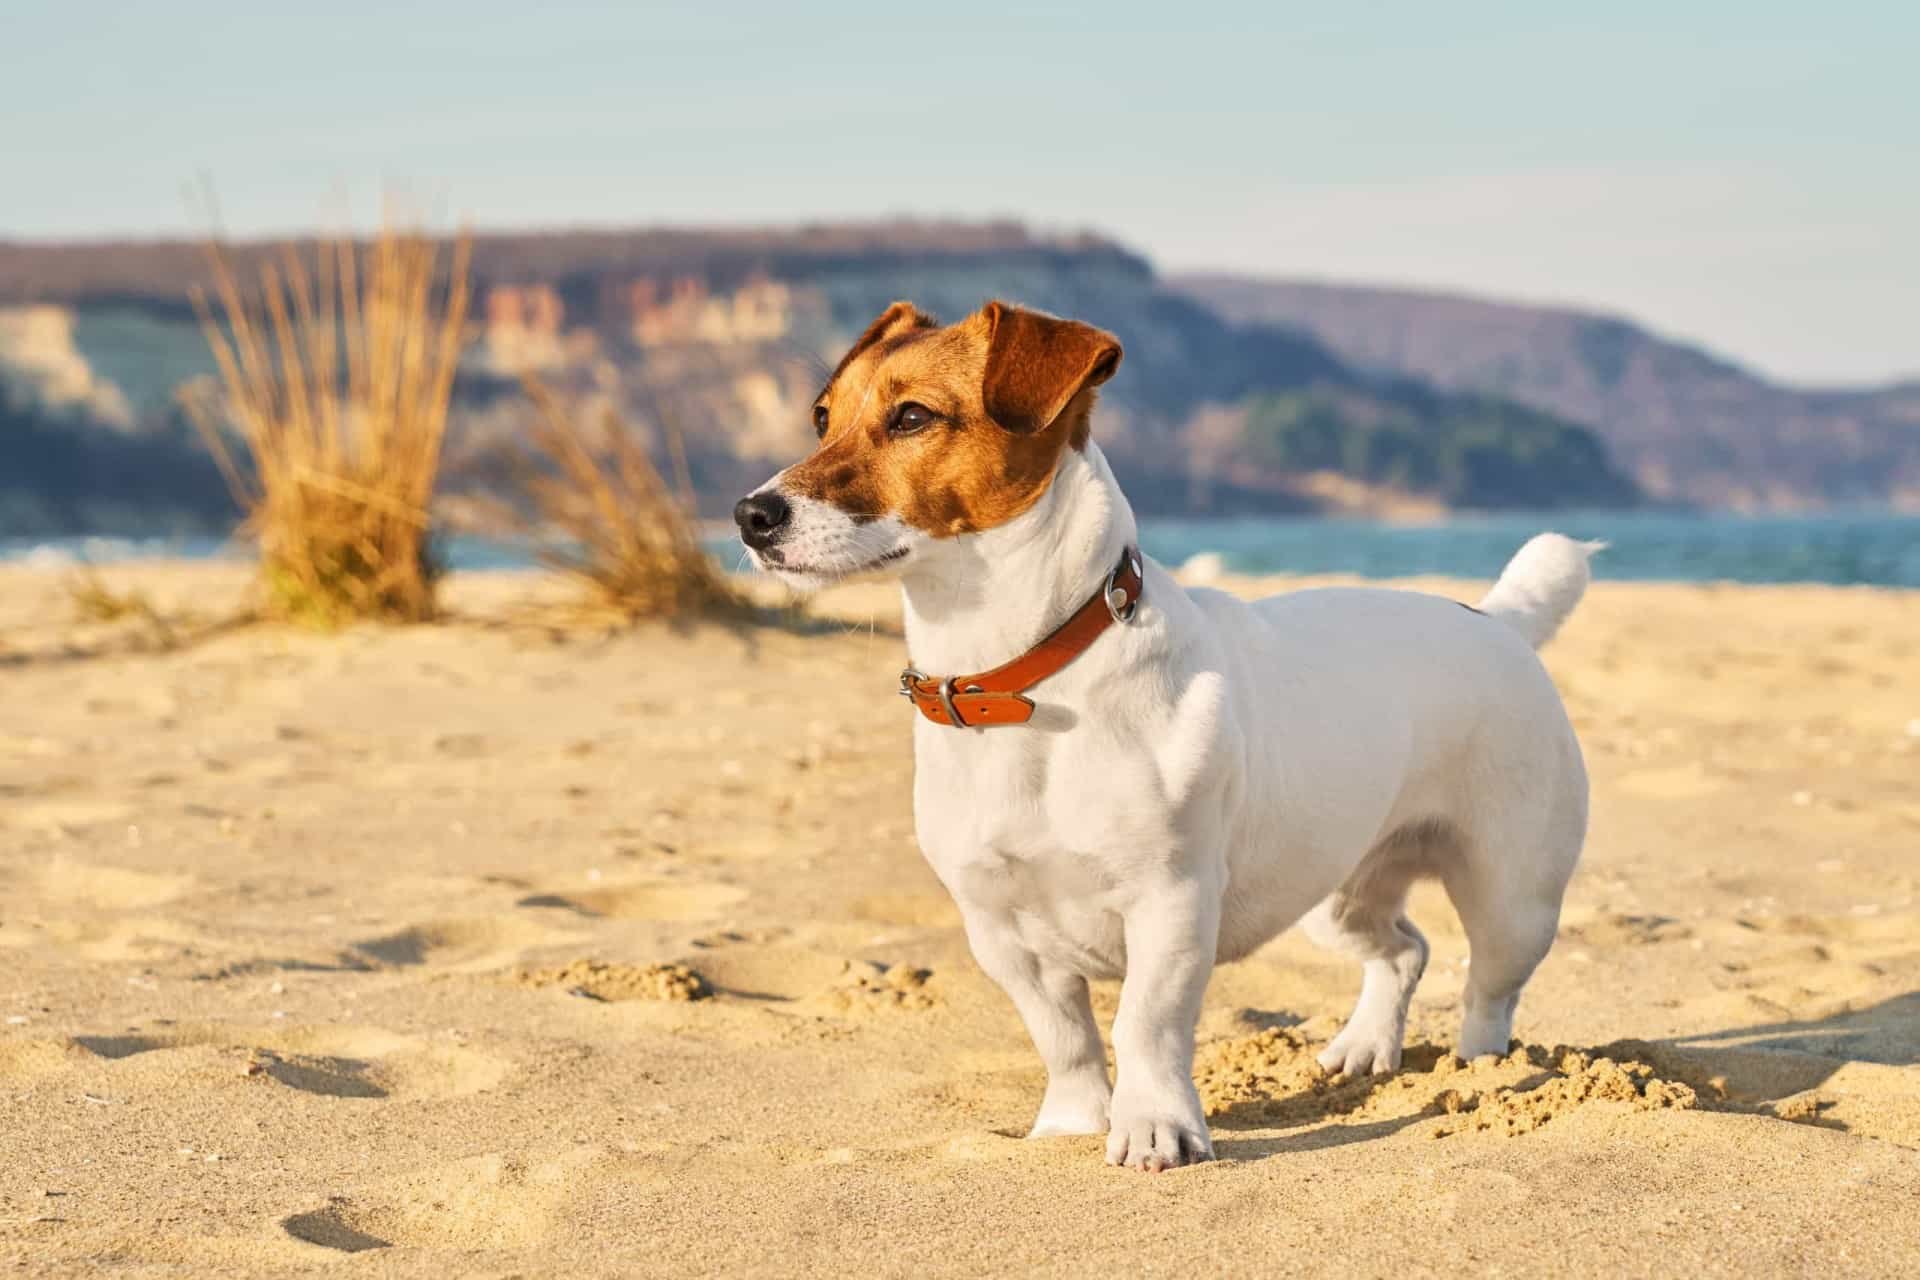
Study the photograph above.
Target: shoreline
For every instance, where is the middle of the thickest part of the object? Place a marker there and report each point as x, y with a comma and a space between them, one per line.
1842, 548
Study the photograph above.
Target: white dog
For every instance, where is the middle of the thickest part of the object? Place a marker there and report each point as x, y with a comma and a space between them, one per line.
1165, 779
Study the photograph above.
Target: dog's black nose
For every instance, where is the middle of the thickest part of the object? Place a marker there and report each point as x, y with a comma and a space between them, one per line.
761, 516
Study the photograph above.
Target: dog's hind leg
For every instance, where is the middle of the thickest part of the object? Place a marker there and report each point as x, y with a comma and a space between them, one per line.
1510, 910
1510, 923
1508, 935
1366, 918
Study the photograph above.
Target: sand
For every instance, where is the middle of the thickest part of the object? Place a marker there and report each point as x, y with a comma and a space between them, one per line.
378, 953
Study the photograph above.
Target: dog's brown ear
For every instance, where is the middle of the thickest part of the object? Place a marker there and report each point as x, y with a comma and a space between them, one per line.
901, 317
1037, 364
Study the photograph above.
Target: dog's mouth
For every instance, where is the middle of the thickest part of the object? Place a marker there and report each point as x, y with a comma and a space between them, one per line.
775, 558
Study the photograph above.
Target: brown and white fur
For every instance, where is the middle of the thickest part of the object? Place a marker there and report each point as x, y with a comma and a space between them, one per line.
1201, 778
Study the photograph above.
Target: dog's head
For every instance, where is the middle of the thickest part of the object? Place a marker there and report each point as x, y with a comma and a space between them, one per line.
928, 433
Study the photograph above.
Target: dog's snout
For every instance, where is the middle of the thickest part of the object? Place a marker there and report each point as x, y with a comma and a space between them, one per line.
761, 517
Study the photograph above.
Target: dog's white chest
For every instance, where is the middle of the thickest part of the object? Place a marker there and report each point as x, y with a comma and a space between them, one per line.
1051, 846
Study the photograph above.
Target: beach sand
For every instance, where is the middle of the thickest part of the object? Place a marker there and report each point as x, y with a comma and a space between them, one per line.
499, 947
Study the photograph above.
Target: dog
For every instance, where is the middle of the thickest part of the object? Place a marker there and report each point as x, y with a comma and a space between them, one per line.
1155, 780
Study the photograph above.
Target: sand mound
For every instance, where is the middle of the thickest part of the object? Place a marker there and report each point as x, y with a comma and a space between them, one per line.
1577, 1078
1272, 1080
869, 987
599, 981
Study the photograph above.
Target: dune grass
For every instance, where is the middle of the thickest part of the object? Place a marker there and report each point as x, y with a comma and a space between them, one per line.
94, 601
608, 521
335, 376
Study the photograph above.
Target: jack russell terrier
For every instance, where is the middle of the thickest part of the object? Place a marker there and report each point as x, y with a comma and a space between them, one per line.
1139, 780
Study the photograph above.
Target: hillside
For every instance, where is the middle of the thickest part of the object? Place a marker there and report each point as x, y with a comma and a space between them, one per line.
725, 336
1689, 426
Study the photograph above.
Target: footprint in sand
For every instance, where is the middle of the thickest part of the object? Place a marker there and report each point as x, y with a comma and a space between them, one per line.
332, 1228
483, 942
1618, 929
485, 1202
772, 973
328, 1061
1873, 927
820, 983
138, 937
648, 901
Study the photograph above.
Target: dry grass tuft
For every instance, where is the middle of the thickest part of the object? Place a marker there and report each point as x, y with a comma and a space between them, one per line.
337, 380
94, 601
130, 620
620, 532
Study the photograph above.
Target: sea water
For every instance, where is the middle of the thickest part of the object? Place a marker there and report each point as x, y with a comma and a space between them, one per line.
1871, 548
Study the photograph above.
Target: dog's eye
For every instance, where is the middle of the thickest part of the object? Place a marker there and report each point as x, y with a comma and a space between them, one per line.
820, 420
909, 418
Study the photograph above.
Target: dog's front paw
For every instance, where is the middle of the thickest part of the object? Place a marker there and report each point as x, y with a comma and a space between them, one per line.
1155, 1133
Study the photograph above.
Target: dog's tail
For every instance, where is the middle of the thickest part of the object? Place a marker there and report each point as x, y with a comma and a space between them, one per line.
1541, 585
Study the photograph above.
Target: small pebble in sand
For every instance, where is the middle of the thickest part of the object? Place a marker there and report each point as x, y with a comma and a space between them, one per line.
17, 1020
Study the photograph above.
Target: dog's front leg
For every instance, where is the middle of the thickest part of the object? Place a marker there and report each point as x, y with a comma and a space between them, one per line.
1059, 1016
1157, 1119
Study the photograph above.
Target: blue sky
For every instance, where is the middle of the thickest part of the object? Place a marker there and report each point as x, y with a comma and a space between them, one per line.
1746, 175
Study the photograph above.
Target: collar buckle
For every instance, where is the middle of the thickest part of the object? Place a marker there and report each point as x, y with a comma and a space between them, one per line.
1120, 604
946, 701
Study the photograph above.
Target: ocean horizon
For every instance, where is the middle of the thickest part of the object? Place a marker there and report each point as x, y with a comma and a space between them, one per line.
1849, 548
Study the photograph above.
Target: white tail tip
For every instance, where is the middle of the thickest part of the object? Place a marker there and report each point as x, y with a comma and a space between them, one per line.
1541, 585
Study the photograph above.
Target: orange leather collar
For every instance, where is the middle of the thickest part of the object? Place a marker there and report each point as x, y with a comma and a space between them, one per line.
995, 697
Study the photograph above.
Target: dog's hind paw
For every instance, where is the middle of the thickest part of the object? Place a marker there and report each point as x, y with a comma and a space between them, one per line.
1358, 1052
